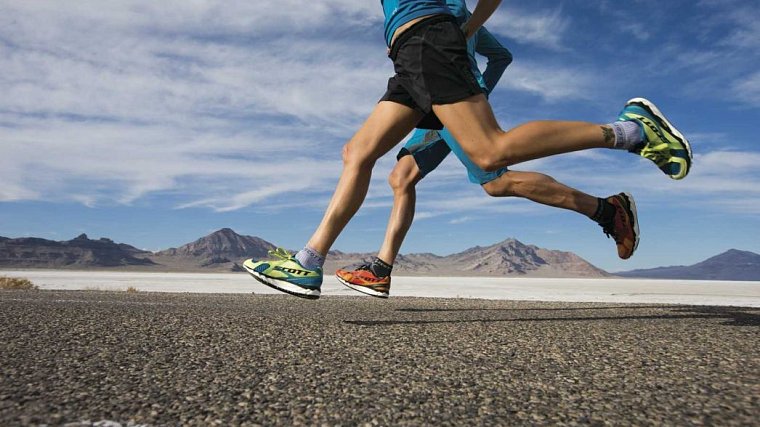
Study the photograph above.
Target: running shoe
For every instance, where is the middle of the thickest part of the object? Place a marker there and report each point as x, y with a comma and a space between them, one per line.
364, 280
624, 227
286, 274
663, 143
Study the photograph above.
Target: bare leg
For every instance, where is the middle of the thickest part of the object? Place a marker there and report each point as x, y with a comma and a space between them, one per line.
403, 179
542, 189
472, 123
385, 127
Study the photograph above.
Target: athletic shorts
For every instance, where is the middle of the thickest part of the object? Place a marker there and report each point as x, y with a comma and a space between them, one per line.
432, 68
430, 147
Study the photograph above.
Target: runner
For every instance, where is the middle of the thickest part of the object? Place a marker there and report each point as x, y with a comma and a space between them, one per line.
422, 154
433, 75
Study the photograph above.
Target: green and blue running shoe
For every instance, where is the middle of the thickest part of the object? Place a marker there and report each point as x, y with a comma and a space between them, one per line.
286, 274
663, 143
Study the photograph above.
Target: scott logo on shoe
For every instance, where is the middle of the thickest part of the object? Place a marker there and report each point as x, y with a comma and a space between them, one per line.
653, 126
292, 271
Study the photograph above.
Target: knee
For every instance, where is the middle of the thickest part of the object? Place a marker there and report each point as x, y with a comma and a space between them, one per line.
490, 162
354, 157
486, 163
403, 176
498, 154
503, 186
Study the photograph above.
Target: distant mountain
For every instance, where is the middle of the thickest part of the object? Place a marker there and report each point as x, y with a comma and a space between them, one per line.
507, 258
220, 247
730, 265
79, 252
225, 250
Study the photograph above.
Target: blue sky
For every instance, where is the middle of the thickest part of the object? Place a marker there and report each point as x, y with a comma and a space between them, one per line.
154, 123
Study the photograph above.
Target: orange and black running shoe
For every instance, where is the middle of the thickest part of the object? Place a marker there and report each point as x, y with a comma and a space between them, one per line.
624, 227
364, 280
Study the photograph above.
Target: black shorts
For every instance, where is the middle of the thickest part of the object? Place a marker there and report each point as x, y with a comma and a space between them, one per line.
432, 68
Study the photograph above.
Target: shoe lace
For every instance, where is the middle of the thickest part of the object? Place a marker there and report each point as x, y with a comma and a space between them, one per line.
609, 230
280, 253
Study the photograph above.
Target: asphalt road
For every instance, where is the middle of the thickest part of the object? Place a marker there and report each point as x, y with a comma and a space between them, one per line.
81, 357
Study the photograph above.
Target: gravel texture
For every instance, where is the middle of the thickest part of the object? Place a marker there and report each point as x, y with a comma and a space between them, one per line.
82, 358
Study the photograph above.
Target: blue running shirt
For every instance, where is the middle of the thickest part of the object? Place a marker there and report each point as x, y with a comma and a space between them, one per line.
399, 12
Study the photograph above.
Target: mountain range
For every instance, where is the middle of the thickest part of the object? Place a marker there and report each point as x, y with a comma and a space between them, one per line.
730, 265
225, 250
80, 252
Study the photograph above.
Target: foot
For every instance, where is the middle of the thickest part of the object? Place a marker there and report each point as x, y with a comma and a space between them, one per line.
624, 227
663, 143
364, 280
286, 274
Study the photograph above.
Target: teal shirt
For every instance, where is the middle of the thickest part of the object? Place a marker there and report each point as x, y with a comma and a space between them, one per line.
399, 12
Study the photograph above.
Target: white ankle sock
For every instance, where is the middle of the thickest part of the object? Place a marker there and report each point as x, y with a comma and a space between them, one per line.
628, 134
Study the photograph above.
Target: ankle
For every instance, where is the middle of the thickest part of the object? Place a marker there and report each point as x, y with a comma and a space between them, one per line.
310, 258
605, 212
380, 268
628, 134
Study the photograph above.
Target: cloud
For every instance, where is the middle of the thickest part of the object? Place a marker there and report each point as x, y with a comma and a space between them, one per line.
720, 181
553, 83
747, 88
544, 28
189, 99
223, 105
461, 220
715, 57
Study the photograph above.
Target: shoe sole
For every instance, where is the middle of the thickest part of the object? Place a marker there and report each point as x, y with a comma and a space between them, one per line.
634, 214
283, 286
653, 110
362, 289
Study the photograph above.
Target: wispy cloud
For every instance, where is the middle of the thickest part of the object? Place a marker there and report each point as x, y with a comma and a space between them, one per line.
723, 61
748, 88
551, 82
540, 28
178, 98
461, 220
223, 105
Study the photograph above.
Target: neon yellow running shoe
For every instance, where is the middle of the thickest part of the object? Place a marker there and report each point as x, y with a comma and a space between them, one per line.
286, 274
663, 143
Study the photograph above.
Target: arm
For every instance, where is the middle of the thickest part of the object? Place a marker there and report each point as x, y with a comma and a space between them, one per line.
480, 15
498, 56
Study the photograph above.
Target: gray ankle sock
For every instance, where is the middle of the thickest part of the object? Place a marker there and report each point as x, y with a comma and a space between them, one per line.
628, 134
310, 258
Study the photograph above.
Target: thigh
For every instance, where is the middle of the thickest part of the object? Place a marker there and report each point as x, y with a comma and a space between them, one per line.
472, 123
474, 173
385, 127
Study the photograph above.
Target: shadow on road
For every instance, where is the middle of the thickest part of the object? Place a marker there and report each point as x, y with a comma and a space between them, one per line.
733, 316
621, 307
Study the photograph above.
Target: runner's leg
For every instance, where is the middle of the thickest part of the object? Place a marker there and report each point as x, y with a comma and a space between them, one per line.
615, 214
542, 189
374, 278
403, 180
473, 125
388, 124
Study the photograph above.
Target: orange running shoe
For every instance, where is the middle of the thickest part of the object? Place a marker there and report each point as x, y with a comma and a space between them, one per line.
624, 227
364, 280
